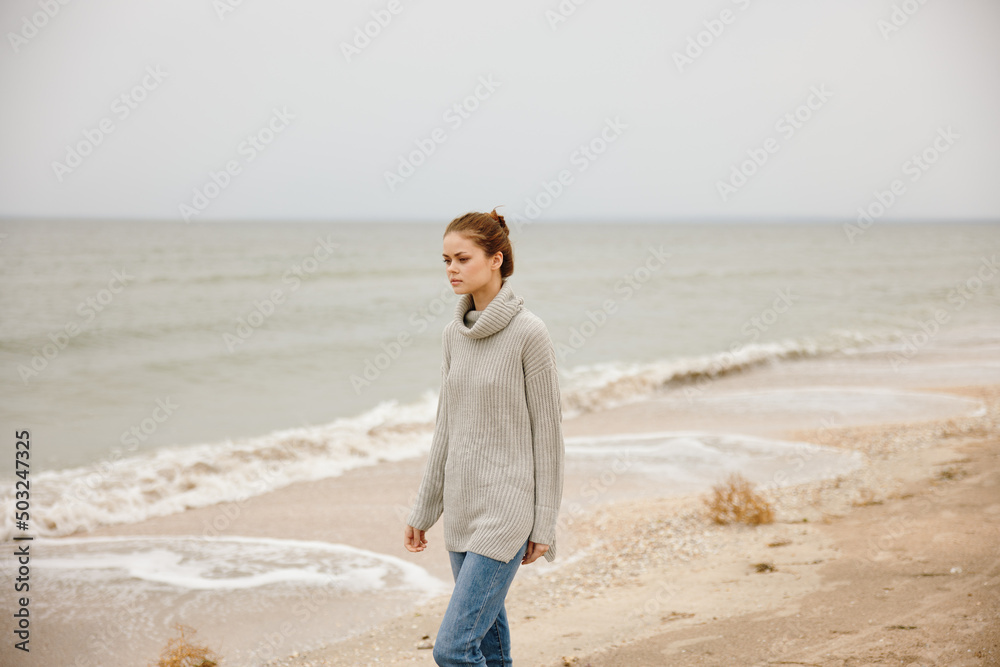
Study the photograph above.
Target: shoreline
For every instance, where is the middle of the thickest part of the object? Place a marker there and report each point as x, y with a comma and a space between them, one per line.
638, 581
635, 560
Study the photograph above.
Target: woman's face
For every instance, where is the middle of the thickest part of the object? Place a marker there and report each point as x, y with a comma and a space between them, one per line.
466, 264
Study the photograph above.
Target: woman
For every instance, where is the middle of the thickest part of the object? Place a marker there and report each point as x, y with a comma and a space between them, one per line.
496, 463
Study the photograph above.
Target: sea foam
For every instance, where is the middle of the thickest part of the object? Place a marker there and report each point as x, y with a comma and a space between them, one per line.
228, 563
169, 480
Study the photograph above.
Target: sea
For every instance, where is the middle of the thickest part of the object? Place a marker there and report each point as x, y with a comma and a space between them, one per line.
161, 366
155, 364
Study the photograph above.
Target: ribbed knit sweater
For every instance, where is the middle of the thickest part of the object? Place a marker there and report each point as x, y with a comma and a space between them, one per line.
495, 469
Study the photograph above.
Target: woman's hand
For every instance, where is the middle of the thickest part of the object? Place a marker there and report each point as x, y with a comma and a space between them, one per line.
414, 539
533, 551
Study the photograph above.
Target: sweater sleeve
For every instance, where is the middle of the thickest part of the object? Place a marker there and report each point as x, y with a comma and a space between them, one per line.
430, 498
541, 385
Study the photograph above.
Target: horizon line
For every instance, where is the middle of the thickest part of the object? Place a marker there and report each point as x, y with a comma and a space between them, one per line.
560, 220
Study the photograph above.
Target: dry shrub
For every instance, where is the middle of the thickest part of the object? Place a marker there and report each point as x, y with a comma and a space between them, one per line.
735, 501
181, 653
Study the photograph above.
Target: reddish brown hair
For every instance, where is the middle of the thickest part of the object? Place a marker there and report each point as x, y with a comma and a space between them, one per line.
488, 231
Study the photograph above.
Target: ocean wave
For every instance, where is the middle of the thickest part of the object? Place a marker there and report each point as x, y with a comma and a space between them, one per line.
130, 489
599, 386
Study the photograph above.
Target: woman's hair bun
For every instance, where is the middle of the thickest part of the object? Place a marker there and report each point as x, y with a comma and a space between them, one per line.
499, 218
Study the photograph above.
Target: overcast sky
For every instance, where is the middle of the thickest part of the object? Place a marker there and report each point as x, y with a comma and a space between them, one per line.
730, 108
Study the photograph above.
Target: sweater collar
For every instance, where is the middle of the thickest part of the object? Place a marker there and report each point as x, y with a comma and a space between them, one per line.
494, 317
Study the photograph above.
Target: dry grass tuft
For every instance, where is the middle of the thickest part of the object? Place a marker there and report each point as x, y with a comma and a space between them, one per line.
735, 501
179, 652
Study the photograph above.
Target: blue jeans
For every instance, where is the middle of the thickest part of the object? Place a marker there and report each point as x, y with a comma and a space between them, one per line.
474, 630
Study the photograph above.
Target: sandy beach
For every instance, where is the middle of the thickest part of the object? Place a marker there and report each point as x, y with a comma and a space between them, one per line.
897, 564
894, 561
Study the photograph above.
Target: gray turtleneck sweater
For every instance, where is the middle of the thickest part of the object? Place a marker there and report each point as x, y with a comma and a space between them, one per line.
496, 462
